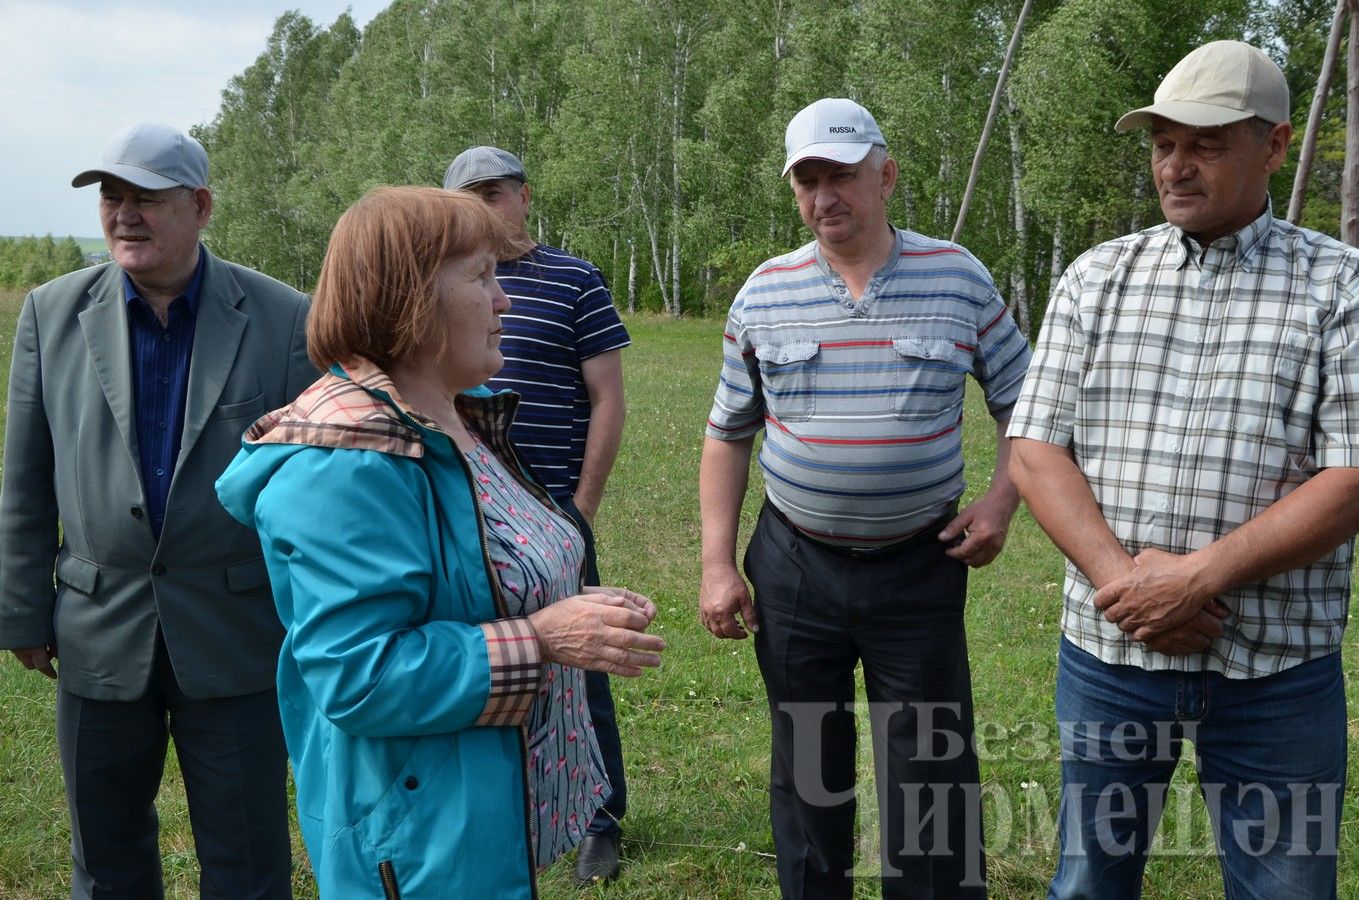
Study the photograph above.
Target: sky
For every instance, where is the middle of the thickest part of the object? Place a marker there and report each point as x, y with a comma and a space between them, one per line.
73, 72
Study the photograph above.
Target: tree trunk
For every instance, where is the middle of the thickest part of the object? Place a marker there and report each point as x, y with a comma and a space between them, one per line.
632, 276
1309, 137
990, 121
1019, 281
1058, 264
1139, 194
681, 66
1349, 209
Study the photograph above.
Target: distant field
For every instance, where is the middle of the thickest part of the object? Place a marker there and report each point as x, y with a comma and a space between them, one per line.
696, 732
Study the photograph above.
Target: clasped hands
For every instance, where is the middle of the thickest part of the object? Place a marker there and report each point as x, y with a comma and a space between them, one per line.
1162, 603
603, 629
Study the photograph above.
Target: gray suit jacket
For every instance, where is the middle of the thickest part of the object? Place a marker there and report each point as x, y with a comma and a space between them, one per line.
71, 460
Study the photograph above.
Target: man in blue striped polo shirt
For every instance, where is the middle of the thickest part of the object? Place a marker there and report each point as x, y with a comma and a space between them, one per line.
851, 353
562, 344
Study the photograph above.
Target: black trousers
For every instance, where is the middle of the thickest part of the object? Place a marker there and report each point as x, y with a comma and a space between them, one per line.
821, 612
234, 763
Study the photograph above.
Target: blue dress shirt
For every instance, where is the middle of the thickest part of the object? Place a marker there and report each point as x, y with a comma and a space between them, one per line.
160, 378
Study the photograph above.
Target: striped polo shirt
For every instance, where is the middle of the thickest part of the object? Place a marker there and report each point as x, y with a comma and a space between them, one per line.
560, 314
862, 402
1195, 387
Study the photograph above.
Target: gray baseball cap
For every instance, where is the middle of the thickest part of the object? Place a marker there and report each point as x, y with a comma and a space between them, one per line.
482, 164
153, 157
1217, 84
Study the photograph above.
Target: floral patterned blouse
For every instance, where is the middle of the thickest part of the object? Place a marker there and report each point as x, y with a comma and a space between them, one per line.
537, 553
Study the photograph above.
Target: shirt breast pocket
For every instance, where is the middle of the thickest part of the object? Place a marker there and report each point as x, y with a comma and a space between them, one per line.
929, 377
788, 378
1275, 390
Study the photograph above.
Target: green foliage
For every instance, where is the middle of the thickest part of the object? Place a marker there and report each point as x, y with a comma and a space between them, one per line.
26, 262
652, 130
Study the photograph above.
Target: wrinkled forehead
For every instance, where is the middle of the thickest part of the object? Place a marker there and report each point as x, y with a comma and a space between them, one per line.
1162, 125
117, 187
816, 168
493, 184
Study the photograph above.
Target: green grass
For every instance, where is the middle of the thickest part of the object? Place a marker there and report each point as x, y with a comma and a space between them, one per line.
696, 731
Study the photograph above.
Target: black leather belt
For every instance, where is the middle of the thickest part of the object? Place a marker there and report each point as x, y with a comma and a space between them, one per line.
930, 533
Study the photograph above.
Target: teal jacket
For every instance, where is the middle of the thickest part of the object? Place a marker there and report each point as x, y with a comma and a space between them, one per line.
400, 684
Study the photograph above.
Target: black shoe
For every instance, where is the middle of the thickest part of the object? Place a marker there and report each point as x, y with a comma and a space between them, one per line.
597, 859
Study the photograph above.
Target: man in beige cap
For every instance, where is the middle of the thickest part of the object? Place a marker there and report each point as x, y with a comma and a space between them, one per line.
1188, 436
130, 387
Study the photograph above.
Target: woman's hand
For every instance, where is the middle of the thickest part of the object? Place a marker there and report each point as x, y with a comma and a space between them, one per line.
604, 630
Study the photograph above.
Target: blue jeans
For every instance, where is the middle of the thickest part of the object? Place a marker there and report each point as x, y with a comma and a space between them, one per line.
1270, 755
599, 699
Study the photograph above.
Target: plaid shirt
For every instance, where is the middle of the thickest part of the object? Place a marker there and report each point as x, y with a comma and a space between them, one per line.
1196, 387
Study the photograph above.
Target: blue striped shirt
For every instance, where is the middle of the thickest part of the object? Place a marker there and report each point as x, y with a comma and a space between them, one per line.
160, 377
862, 402
561, 314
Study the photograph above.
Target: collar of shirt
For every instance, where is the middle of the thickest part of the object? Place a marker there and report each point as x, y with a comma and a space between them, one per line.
190, 295
1245, 244
871, 289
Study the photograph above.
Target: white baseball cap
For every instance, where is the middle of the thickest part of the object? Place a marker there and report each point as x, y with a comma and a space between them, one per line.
1217, 84
832, 128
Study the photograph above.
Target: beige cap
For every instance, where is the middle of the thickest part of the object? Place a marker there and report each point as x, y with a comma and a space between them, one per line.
1217, 84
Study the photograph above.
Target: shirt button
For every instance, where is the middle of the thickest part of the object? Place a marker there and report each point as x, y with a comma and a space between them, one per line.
162, 426
1174, 447
165, 381
160, 471
168, 337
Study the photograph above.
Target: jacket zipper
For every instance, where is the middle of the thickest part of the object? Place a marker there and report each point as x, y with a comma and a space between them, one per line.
390, 891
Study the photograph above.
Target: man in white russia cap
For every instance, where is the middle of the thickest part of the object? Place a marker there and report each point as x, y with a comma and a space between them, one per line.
851, 353
1188, 436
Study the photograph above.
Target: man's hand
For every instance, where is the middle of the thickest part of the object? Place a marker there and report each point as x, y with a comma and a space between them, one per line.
1193, 636
1161, 593
588, 508
982, 526
39, 658
723, 594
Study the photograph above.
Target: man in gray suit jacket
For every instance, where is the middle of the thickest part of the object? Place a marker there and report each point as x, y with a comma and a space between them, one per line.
130, 386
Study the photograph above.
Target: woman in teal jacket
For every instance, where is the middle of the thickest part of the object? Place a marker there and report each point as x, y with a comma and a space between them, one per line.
429, 683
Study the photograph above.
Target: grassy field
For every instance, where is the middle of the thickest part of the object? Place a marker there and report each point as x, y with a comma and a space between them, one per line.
696, 731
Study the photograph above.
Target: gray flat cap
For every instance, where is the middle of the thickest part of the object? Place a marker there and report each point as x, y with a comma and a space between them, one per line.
482, 164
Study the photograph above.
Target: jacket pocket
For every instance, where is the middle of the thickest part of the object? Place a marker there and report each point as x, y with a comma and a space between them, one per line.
247, 575
929, 378
77, 573
250, 409
788, 376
